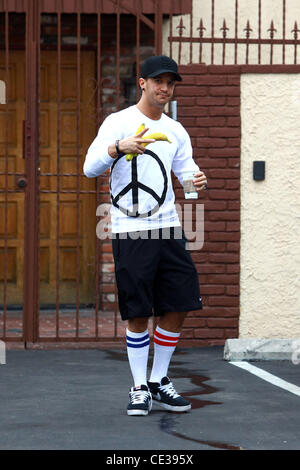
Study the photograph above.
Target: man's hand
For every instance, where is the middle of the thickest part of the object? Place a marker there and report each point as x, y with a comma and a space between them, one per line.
132, 144
200, 181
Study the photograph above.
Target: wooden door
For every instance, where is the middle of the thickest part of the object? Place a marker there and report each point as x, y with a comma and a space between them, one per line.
67, 212
11, 197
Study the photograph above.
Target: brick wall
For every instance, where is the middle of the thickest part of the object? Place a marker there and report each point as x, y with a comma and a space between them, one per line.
209, 108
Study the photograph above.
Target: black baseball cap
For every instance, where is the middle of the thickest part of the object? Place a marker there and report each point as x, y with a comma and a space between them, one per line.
158, 64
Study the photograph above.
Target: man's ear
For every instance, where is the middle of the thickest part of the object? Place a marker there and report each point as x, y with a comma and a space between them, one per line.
142, 82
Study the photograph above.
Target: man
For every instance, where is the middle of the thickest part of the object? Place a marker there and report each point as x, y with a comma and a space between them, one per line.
154, 272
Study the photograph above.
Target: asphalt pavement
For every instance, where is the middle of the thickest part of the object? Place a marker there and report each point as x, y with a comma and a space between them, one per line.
77, 399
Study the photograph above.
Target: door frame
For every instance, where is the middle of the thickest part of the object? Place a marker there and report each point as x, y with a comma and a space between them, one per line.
32, 155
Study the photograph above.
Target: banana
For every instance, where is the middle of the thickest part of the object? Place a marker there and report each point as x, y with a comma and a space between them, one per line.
158, 136
140, 129
130, 156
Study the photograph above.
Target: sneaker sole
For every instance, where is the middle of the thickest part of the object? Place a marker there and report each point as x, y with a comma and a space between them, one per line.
140, 412
137, 412
178, 409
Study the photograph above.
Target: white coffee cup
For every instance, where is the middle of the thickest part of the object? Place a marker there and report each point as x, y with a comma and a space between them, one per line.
190, 192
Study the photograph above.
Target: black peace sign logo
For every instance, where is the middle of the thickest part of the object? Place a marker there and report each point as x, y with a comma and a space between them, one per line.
135, 185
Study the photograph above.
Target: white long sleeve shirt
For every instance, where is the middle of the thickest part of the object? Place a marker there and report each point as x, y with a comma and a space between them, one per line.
141, 190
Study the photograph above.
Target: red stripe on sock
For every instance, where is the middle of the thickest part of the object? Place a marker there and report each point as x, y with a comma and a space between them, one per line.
169, 338
163, 343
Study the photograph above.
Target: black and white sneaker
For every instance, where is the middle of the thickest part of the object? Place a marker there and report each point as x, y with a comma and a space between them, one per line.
165, 395
140, 401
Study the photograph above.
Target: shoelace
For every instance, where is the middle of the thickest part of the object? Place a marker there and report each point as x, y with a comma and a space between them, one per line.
139, 396
170, 390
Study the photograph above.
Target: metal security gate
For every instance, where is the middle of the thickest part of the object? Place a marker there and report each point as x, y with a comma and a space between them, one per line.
63, 67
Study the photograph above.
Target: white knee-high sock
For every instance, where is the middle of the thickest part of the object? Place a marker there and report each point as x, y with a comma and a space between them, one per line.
138, 351
164, 345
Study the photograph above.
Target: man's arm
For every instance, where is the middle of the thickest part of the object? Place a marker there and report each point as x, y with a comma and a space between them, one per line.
112, 151
102, 152
97, 159
183, 160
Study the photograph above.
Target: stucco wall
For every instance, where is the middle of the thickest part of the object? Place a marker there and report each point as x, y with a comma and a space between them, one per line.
270, 209
247, 10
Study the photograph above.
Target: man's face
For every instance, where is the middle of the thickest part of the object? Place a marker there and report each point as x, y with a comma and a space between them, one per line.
159, 90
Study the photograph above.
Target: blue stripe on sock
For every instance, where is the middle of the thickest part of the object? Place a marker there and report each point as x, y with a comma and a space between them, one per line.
138, 345
137, 340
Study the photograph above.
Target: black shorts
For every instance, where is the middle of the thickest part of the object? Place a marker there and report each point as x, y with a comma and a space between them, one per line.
154, 275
